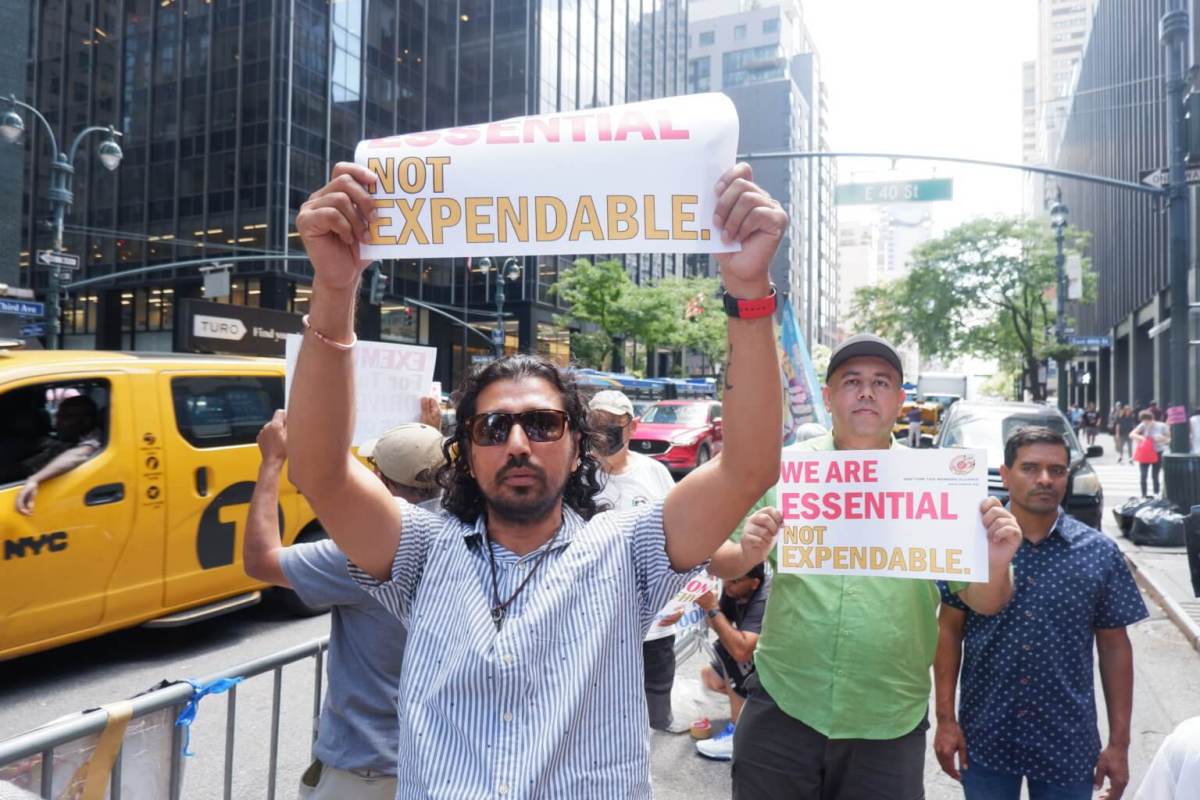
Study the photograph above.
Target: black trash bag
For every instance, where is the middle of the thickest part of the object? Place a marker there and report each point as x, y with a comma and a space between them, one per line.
1157, 525
1125, 512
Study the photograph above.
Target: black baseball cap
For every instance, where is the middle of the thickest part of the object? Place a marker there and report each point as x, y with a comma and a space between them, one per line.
864, 345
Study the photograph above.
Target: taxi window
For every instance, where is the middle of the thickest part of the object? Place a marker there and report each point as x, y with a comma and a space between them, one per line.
40, 421
214, 411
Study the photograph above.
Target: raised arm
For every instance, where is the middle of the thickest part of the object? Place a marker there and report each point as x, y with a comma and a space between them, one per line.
353, 505
705, 506
263, 542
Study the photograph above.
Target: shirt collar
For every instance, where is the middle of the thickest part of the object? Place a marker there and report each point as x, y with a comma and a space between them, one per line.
572, 523
1064, 526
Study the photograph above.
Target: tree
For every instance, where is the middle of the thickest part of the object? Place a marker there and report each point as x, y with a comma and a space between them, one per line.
984, 289
600, 294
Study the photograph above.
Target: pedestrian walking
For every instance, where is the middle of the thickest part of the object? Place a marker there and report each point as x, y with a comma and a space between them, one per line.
736, 619
1194, 431
914, 427
1027, 709
1091, 423
526, 608
628, 482
355, 752
866, 642
1150, 440
1122, 429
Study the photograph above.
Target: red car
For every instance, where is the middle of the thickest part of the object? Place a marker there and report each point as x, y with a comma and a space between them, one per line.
682, 434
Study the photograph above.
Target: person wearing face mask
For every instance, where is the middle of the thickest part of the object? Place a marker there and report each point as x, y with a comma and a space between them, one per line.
628, 481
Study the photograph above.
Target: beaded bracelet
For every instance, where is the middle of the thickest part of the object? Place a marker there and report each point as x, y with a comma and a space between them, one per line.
336, 345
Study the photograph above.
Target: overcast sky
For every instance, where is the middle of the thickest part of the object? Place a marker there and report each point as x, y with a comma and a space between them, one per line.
929, 76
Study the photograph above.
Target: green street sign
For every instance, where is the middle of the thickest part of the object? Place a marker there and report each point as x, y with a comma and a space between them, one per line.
851, 194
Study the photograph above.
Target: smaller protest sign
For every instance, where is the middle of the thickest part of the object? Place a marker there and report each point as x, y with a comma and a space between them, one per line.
1177, 415
389, 382
684, 602
898, 513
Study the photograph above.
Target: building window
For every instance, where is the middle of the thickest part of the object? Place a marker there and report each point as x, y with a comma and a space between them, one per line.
699, 74
771, 25
554, 343
752, 65
739, 32
707, 38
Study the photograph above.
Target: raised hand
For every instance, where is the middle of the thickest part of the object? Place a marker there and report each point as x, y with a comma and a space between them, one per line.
334, 221
1003, 532
272, 439
758, 534
748, 215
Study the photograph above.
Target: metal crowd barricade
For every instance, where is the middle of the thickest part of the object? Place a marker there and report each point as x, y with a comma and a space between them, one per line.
45, 739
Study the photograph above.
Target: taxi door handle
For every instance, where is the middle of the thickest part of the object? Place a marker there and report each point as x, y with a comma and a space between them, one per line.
104, 495
202, 481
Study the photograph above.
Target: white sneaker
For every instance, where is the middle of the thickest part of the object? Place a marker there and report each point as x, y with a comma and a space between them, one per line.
678, 725
719, 747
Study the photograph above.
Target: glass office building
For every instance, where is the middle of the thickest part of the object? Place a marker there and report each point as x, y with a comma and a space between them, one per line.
233, 111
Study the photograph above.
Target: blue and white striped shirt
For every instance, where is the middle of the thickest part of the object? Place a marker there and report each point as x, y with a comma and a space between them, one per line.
552, 705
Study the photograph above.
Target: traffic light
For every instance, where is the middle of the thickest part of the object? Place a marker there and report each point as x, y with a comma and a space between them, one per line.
377, 287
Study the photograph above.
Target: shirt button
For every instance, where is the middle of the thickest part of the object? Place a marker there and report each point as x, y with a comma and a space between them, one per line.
1028, 615
507, 658
522, 565
1030, 581
507, 716
1024, 680
1026, 647
1020, 712
502, 788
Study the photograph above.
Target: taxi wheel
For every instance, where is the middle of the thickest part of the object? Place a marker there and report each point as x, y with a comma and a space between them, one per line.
288, 600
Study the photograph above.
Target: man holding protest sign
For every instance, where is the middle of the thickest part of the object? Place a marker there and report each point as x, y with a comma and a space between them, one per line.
837, 707
1028, 705
516, 681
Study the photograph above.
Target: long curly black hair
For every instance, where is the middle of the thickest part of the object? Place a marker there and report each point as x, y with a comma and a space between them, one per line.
461, 495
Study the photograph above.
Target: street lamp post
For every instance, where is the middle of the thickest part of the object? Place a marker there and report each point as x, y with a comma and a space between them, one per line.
1058, 221
62, 173
511, 271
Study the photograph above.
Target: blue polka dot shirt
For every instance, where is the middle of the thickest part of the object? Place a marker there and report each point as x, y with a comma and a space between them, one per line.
1027, 702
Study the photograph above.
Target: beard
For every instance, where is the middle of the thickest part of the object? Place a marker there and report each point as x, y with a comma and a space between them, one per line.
524, 504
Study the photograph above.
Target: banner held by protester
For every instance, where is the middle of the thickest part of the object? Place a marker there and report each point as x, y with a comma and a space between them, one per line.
897, 513
550, 183
801, 392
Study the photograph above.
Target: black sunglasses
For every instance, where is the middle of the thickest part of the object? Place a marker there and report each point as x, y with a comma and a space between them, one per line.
540, 425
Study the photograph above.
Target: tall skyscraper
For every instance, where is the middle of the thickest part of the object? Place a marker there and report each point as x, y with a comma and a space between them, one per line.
234, 111
763, 57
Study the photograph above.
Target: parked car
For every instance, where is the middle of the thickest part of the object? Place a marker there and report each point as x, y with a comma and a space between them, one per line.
682, 434
987, 425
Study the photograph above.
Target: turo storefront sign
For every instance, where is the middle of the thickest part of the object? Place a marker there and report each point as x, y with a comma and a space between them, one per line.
206, 327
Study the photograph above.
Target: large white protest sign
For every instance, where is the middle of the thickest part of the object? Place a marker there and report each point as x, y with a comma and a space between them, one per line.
898, 513
636, 178
389, 382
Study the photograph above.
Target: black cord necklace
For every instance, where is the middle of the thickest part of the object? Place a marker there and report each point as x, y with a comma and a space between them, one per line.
499, 609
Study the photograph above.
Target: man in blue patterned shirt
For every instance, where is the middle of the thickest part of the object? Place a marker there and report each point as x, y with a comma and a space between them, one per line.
525, 608
1027, 708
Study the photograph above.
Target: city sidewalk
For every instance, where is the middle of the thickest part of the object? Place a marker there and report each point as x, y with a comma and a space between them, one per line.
1162, 571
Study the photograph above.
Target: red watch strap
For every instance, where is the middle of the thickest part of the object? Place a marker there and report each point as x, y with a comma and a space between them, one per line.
757, 307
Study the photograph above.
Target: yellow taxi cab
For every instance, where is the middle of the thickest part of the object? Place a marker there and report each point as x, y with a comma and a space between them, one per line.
146, 530
931, 421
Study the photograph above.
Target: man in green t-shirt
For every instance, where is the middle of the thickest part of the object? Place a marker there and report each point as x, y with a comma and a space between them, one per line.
838, 707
